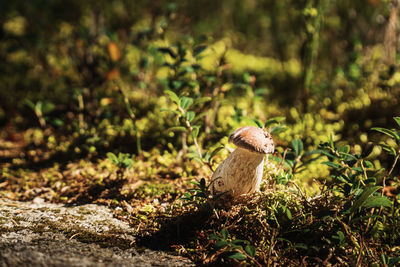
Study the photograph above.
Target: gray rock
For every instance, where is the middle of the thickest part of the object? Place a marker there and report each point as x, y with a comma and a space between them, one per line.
45, 234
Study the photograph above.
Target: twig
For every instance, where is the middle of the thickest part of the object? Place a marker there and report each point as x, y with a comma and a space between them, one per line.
390, 172
74, 236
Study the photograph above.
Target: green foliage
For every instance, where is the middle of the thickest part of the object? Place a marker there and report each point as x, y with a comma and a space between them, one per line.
123, 162
233, 249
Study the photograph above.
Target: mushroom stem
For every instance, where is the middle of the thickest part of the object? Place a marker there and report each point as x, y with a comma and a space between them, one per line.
240, 173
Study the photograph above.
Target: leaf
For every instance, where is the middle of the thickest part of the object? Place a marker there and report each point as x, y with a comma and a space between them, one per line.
246, 77
287, 212
258, 122
111, 156
331, 141
329, 155
30, 104
215, 151
250, 250
224, 233
167, 50
261, 91
278, 129
397, 119
391, 150
332, 164
221, 244
185, 102
275, 120
177, 129
344, 149
237, 256
47, 107
172, 96
57, 122
190, 115
176, 84
201, 100
368, 164
376, 202
301, 245
388, 132
128, 163
198, 50
195, 131
363, 197
297, 146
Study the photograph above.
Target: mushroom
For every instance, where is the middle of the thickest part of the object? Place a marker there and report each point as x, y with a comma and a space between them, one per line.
241, 172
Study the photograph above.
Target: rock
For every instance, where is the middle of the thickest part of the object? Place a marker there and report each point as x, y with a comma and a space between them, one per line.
44, 234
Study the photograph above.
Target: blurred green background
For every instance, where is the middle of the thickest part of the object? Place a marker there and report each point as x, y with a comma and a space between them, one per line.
99, 69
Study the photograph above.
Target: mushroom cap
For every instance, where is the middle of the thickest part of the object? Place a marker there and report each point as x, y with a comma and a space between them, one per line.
253, 139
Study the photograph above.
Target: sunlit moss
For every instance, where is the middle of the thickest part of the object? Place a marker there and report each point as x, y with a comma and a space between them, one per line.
15, 25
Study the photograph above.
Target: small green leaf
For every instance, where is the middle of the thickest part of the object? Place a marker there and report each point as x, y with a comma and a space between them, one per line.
363, 197
246, 77
128, 163
111, 156
275, 120
301, 245
30, 104
177, 129
224, 233
215, 151
176, 84
201, 100
391, 150
58, 122
331, 141
47, 107
167, 50
190, 115
261, 91
195, 131
278, 129
397, 119
344, 149
388, 132
297, 146
368, 164
376, 202
332, 164
251, 250
237, 256
185, 102
221, 244
172, 96
258, 122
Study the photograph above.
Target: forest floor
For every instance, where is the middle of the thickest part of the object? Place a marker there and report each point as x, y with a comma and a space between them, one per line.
63, 209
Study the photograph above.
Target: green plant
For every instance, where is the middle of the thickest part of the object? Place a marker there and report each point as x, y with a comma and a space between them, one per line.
392, 149
42, 110
233, 249
199, 194
123, 162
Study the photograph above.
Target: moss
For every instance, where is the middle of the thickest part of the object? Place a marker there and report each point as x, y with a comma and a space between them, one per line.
155, 189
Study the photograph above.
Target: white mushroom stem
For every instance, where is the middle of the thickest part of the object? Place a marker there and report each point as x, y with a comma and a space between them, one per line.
240, 173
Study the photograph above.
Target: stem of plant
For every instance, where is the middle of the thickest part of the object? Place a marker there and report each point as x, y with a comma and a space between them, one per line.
133, 117
190, 128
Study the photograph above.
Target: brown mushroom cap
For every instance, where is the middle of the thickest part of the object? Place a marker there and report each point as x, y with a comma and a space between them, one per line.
253, 139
